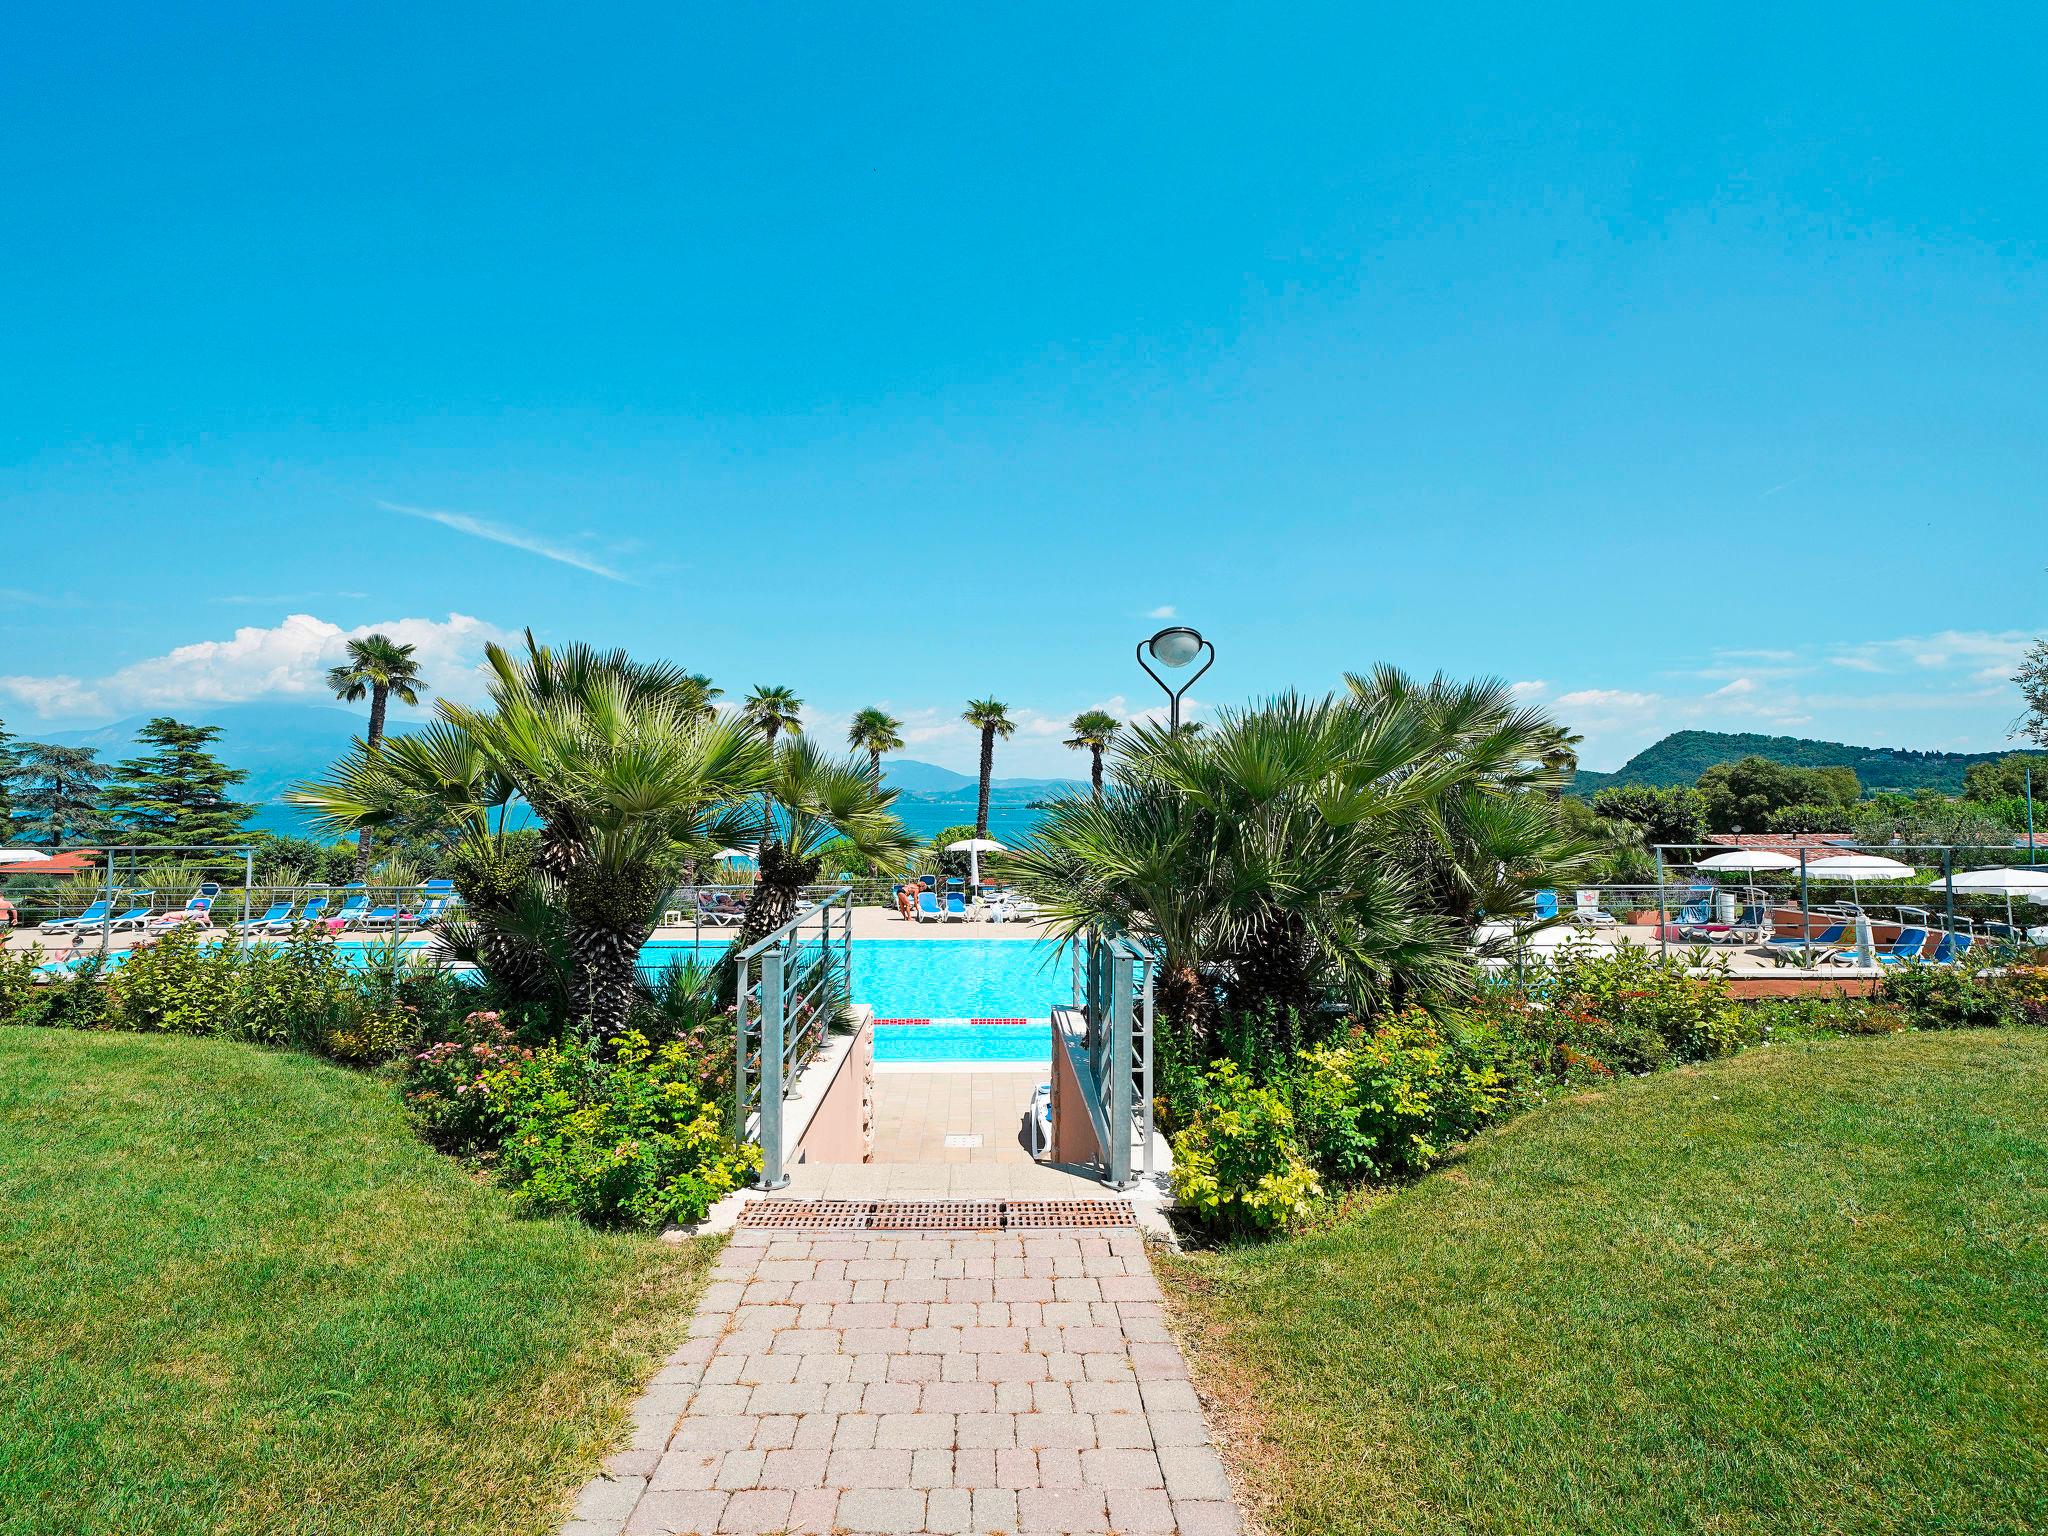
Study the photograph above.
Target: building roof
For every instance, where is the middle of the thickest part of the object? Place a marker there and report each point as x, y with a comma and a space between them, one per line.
1787, 843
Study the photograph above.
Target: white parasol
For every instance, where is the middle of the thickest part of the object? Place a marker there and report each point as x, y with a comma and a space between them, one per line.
974, 848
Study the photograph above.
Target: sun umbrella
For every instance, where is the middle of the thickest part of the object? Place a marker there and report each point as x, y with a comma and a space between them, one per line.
734, 856
2031, 883
1747, 861
974, 848
22, 856
1858, 866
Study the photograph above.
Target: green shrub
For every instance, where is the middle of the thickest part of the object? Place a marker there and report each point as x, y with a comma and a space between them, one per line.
1387, 1103
460, 1087
628, 1141
1235, 1165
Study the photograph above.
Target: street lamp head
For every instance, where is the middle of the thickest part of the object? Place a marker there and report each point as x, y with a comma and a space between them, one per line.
1175, 646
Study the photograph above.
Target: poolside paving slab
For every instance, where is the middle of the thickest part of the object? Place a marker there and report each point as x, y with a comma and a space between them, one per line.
1014, 1382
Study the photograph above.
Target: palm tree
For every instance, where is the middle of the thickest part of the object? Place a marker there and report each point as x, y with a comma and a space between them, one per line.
624, 769
1094, 730
992, 719
822, 801
773, 710
380, 667
874, 732
1342, 846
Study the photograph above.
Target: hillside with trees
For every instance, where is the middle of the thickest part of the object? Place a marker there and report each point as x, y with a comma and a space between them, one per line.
1683, 756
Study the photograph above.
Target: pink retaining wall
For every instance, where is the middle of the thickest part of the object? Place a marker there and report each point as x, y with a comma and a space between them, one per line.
843, 1129
1073, 1132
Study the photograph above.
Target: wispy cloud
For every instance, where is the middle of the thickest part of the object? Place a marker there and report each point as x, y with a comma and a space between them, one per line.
1163, 611
512, 538
1784, 485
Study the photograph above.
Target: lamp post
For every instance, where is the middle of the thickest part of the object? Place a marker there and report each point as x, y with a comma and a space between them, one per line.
1175, 646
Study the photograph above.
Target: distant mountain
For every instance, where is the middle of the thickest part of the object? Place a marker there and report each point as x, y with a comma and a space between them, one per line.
932, 784
281, 745
1683, 756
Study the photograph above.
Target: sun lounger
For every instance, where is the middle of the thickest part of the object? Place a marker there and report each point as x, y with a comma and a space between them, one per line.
134, 917
1906, 947
1586, 911
1953, 947
708, 910
928, 908
379, 917
91, 914
278, 915
351, 911
956, 907
196, 913
1827, 938
315, 906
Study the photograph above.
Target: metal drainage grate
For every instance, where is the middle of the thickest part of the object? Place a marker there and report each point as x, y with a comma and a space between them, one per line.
934, 1215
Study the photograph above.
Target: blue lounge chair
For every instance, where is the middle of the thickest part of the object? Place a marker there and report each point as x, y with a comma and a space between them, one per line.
351, 911
1953, 947
310, 913
134, 917
928, 908
1905, 948
956, 907
1546, 906
278, 915
379, 917
1827, 938
91, 914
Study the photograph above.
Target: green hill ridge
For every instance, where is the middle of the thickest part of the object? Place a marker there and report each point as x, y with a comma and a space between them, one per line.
1683, 756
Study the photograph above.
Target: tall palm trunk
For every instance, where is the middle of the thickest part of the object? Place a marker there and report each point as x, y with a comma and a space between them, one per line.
988, 765
1095, 769
601, 993
380, 700
777, 890
875, 764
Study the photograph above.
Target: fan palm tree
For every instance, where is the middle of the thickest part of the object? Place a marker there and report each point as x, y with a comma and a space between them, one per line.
773, 710
992, 719
822, 801
1094, 730
874, 732
1347, 845
624, 769
381, 668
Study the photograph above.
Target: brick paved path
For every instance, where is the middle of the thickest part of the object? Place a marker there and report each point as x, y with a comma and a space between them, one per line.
896, 1382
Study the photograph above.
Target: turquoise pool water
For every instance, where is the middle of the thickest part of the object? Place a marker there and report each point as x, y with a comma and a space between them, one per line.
994, 1045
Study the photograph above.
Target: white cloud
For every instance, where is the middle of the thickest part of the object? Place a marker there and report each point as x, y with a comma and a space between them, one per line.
1532, 688
285, 661
1990, 655
1163, 611
1608, 700
515, 538
1734, 689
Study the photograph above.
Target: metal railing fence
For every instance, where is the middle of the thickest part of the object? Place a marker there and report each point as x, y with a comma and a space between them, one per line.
790, 989
1113, 988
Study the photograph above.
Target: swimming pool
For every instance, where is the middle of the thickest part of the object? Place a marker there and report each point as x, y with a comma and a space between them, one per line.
964, 983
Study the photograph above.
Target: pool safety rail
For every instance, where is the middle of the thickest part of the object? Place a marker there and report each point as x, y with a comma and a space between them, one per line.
790, 989
1113, 989
934, 1215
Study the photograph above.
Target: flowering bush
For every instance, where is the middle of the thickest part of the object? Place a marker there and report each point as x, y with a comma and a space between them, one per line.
1235, 1165
626, 1141
459, 1087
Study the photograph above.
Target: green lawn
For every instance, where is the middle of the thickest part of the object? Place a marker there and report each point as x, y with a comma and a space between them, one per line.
237, 1295
1802, 1290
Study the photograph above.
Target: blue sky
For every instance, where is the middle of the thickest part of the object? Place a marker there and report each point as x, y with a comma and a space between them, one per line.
1688, 369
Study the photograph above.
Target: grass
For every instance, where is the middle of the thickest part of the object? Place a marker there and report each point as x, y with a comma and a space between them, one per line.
1801, 1290
239, 1296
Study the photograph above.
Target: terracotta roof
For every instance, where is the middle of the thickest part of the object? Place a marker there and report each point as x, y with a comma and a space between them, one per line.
1787, 843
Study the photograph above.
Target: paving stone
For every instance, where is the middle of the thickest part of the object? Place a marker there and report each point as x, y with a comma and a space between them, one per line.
948, 1510
666, 1514
959, 1397
881, 1510
1141, 1512
740, 1469
1194, 1472
990, 1431
995, 1509
686, 1470
1070, 1431
812, 1511
868, 1469
757, 1511
1169, 1397
793, 1469
1061, 1510
1059, 1467
788, 1397
1106, 1397
914, 1430
1121, 1469
931, 1468
607, 1498
1206, 1517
